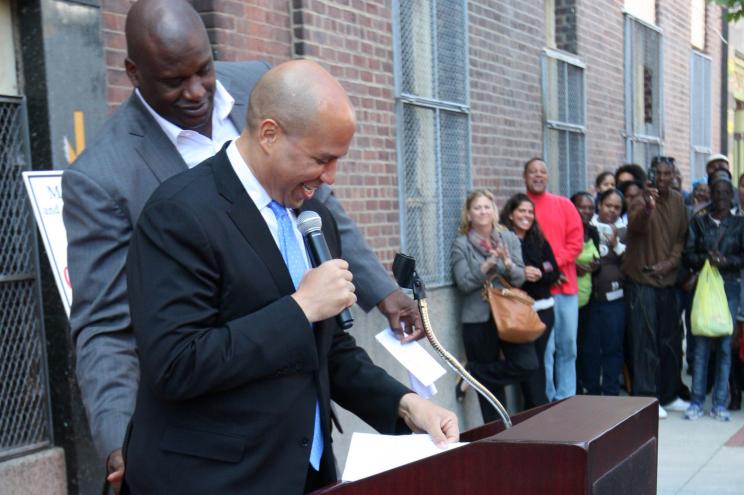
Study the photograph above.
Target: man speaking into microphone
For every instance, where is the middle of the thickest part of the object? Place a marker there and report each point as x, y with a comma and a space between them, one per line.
240, 351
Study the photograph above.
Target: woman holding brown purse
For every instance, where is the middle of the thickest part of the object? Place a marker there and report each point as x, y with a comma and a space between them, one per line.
482, 250
541, 272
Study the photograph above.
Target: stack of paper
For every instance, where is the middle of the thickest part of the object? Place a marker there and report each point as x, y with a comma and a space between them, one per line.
370, 453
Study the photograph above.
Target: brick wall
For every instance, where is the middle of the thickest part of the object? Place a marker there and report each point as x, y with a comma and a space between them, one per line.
113, 15
506, 38
565, 25
248, 29
600, 47
673, 17
716, 50
354, 41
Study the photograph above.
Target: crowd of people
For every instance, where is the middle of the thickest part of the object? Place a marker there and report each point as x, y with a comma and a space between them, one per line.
613, 274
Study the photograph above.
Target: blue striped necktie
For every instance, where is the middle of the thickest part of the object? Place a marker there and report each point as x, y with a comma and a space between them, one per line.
295, 262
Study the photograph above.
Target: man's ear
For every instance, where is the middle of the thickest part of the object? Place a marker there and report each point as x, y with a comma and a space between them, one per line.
132, 73
268, 134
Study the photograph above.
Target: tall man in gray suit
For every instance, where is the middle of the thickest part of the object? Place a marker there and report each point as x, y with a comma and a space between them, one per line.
183, 109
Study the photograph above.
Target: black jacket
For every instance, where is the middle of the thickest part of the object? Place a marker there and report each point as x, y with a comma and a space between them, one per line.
703, 236
537, 252
231, 369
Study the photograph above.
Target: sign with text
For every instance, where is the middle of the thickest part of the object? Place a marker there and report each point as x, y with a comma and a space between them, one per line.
45, 192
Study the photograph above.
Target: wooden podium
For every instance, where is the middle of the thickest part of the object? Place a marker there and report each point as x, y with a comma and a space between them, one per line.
581, 445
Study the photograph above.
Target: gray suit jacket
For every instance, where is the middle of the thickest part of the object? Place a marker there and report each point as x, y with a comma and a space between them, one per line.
104, 192
469, 279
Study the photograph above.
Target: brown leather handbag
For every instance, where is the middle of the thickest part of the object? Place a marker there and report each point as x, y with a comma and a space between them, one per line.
516, 321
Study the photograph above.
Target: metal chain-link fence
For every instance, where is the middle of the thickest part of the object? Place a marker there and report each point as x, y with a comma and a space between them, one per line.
433, 129
24, 406
565, 125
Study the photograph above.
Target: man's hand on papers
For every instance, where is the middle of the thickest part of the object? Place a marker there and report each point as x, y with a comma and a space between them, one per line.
423, 416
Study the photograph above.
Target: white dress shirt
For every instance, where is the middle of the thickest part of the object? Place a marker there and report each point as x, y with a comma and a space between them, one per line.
194, 147
261, 198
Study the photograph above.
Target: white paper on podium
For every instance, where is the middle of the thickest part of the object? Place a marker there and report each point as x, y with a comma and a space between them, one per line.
370, 453
423, 370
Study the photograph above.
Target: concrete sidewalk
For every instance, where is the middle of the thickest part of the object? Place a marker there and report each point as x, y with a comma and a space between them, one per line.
694, 457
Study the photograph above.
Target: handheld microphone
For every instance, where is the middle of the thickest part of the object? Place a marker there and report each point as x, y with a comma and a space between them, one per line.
310, 224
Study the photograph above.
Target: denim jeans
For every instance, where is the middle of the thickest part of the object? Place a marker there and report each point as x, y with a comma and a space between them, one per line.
603, 347
722, 346
560, 353
533, 389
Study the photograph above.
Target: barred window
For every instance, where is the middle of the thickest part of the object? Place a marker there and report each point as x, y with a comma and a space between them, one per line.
700, 112
433, 129
643, 83
25, 423
564, 133
738, 144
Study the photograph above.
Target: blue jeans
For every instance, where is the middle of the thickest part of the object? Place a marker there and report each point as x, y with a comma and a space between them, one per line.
602, 353
722, 346
560, 380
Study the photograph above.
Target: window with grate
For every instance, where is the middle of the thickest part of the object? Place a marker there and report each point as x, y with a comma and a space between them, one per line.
738, 144
700, 112
643, 83
564, 121
24, 403
433, 129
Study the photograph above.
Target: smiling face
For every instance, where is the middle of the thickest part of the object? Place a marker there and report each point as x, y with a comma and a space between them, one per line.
300, 164
585, 205
177, 80
482, 213
536, 177
610, 208
523, 217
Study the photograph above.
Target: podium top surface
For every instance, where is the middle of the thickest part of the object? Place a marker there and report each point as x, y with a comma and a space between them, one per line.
579, 419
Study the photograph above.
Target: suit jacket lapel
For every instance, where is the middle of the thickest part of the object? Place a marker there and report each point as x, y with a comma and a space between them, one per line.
156, 150
250, 223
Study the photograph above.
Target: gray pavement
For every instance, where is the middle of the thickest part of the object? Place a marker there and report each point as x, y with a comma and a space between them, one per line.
693, 457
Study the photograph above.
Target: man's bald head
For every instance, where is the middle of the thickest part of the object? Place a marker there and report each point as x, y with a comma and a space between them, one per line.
299, 95
300, 123
169, 61
164, 22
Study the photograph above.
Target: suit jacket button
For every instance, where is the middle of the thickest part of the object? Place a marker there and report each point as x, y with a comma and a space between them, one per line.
305, 442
